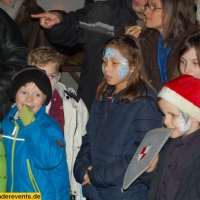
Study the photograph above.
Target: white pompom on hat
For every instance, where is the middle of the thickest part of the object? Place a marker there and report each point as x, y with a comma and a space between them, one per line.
184, 93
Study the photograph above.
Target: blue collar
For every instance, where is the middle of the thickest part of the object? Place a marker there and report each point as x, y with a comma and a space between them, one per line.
162, 58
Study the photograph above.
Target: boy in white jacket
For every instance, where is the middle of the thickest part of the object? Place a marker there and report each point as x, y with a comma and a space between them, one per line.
65, 107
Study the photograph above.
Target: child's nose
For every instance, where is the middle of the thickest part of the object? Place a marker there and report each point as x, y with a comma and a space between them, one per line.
29, 98
107, 66
166, 122
187, 68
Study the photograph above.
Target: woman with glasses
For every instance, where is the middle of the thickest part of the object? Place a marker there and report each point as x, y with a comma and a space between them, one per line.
167, 25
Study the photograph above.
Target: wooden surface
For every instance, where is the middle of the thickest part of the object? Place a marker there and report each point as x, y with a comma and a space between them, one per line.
71, 69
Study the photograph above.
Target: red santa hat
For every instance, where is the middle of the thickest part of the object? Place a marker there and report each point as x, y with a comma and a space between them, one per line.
184, 93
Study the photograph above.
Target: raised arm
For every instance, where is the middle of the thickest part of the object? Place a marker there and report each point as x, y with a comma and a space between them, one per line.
48, 19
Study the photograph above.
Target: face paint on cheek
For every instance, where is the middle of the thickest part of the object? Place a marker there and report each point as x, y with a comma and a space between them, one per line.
103, 69
182, 124
124, 69
108, 53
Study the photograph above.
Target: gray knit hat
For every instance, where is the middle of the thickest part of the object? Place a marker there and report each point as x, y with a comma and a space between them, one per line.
35, 75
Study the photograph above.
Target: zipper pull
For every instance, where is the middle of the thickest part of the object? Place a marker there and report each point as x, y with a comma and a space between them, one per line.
14, 130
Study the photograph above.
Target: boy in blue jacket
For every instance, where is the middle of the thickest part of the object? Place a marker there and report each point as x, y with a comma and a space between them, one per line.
35, 147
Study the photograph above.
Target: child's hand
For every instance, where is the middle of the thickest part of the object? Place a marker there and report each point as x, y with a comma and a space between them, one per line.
153, 165
26, 115
86, 177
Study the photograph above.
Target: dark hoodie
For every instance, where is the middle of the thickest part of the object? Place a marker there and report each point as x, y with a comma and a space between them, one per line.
92, 26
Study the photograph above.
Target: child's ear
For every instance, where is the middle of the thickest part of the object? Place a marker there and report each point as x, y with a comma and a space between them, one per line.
194, 120
45, 96
59, 76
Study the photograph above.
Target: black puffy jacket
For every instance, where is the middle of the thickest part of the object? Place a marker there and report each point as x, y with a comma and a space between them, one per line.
13, 55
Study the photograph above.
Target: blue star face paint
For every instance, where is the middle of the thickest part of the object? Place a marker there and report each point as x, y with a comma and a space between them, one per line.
103, 70
182, 124
109, 53
113, 53
124, 69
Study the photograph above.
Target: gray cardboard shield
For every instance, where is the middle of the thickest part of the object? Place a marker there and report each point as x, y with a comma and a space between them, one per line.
145, 154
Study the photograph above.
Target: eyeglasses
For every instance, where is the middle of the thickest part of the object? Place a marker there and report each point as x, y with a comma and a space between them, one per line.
151, 7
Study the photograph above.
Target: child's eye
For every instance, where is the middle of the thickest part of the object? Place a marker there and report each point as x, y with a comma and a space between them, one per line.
23, 92
174, 115
103, 61
182, 62
37, 95
52, 76
115, 63
196, 63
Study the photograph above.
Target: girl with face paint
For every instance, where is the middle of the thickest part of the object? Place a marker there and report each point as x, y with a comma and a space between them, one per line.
123, 111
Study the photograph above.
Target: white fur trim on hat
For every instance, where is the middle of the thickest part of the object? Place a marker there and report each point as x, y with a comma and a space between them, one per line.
180, 102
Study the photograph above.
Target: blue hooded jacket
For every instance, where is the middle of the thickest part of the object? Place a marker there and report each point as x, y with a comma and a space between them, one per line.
35, 154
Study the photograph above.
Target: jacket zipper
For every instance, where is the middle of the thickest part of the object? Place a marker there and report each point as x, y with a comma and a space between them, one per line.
31, 177
15, 133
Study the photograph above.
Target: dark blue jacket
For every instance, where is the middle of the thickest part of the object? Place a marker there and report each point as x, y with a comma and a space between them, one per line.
114, 132
189, 187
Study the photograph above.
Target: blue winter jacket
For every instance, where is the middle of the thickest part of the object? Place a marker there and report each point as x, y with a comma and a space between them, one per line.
114, 132
35, 155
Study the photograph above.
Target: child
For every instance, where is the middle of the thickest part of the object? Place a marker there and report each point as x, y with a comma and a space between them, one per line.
34, 144
175, 172
123, 111
65, 107
189, 56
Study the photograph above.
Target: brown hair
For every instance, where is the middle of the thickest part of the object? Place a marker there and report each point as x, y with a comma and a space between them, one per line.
175, 17
176, 14
136, 82
43, 55
23, 13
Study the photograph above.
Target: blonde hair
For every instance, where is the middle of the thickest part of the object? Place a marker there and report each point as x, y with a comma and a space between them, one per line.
43, 55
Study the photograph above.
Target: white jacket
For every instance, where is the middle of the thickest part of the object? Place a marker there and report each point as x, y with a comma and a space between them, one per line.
76, 117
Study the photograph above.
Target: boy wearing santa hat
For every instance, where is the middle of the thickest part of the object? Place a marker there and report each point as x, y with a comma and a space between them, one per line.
175, 173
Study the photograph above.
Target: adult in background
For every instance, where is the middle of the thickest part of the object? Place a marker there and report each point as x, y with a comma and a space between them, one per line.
31, 30
92, 26
168, 23
13, 55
